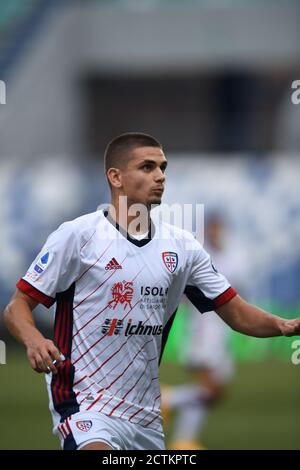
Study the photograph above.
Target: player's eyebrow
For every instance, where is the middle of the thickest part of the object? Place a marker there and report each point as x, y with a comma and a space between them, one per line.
153, 162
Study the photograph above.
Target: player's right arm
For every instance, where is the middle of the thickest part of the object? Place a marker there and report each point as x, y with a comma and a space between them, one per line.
41, 352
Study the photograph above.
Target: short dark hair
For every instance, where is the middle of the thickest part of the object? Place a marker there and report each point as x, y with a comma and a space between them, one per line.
118, 150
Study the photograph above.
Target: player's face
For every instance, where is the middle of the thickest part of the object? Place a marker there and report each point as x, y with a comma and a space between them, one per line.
214, 232
143, 180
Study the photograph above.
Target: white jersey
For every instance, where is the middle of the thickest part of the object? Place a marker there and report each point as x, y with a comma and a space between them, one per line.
116, 301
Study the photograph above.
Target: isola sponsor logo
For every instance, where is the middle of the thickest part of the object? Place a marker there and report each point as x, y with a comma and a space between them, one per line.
154, 291
114, 326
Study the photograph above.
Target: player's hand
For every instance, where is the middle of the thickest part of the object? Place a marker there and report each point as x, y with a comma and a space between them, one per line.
44, 356
290, 327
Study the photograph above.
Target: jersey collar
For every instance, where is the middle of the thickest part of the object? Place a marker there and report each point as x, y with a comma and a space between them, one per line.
139, 243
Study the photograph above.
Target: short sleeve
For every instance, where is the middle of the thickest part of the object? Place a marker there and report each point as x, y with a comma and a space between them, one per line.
206, 288
55, 268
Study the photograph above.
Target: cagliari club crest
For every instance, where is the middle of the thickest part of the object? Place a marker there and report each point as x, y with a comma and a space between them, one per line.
122, 293
170, 260
84, 426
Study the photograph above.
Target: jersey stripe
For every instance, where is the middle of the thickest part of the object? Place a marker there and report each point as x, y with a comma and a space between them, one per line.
116, 407
101, 338
100, 285
89, 239
165, 334
94, 402
136, 413
34, 293
225, 297
94, 264
64, 398
203, 303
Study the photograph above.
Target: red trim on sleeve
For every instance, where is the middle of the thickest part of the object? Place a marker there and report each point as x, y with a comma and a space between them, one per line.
37, 295
225, 297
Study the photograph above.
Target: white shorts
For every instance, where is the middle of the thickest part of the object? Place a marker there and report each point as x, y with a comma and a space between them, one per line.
86, 426
208, 345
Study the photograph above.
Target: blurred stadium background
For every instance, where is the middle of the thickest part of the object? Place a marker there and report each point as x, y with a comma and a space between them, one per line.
212, 81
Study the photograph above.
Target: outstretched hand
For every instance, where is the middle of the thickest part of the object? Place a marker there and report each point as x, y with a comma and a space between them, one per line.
290, 327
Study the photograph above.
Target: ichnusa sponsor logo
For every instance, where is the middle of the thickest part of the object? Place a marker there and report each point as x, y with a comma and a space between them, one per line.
114, 326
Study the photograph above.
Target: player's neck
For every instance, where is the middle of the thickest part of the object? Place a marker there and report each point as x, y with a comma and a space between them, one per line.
135, 224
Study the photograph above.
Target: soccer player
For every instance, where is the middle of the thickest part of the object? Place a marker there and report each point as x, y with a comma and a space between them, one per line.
206, 354
117, 285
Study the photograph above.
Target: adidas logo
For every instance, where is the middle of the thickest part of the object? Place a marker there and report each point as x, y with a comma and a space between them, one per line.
113, 264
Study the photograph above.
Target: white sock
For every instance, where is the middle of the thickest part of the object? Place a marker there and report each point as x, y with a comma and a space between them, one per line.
189, 421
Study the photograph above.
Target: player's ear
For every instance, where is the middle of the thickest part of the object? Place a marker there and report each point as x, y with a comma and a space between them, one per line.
114, 176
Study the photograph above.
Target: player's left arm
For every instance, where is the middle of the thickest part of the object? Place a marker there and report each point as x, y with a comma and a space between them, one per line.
253, 321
